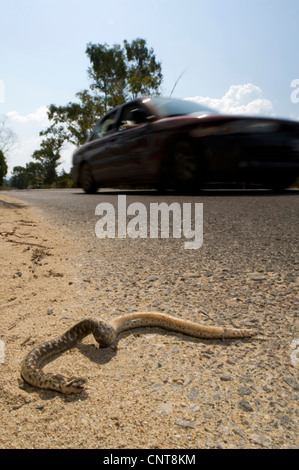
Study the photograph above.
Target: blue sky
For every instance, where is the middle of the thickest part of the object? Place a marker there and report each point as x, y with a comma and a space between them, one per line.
235, 55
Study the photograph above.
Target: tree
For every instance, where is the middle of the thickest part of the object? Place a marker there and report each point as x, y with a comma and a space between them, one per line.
49, 157
122, 73
117, 74
35, 173
108, 73
19, 177
144, 73
3, 167
74, 121
7, 136
7, 140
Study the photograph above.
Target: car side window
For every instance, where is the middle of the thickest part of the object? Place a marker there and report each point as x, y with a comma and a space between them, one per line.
132, 116
105, 127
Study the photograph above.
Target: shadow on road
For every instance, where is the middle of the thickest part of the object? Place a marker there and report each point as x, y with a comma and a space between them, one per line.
204, 192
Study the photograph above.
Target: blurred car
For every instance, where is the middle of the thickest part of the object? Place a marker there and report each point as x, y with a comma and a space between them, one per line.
178, 144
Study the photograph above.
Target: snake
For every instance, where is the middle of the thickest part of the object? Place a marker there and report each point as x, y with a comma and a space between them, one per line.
106, 334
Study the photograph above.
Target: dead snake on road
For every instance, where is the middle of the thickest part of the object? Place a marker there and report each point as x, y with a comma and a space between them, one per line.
106, 334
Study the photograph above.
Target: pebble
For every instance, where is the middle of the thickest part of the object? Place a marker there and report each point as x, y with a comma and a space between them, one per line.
244, 391
193, 394
208, 273
285, 420
40, 407
185, 423
292, 382
151, 278
257, 277
225, 378
264, 441
282, 402
17, 274
245, 405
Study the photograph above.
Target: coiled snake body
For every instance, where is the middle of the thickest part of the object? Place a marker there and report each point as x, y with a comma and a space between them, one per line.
106, 334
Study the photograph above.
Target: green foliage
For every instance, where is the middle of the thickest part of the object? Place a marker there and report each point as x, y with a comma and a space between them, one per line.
144, 73
49, 156
3, 167
108, 73
123, 73
74, 121
117, 73
19, 178
33, 176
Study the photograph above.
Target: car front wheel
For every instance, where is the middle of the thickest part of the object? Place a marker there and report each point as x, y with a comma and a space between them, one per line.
86, 180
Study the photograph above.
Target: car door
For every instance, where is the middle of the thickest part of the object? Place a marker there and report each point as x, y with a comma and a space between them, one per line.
131, 145
99, 151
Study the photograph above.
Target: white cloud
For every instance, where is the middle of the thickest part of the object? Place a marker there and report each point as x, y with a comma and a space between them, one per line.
27, 128
239, 99
39, 117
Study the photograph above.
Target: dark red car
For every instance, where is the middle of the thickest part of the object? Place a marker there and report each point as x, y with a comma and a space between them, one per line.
178, 144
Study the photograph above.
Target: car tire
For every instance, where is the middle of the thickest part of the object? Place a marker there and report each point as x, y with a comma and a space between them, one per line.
87, 182
185, 170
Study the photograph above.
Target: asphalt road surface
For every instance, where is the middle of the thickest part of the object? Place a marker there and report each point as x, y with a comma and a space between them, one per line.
253, 229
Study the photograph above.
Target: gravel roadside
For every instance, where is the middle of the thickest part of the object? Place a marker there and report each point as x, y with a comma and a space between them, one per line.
154, 390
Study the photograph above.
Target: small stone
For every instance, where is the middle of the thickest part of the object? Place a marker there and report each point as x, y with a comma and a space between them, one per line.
220, 445
240, 433
151, 278
208, 273
18, 274
285, 420
257, 277
291, 382
245, 405
225, 378
244, 391
185, 423
193, 394
281, 402
264, 441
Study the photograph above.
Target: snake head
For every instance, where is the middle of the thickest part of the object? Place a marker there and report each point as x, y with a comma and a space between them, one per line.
73, 385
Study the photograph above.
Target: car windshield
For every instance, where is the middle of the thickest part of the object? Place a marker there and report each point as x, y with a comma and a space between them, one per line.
167, 107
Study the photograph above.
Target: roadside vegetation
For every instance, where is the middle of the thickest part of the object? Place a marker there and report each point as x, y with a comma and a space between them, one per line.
117, 73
